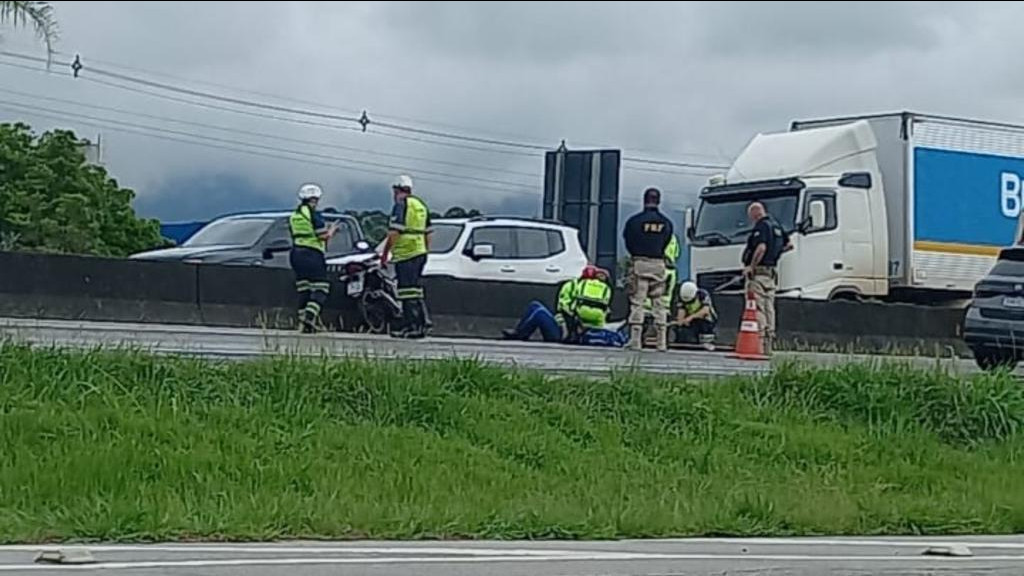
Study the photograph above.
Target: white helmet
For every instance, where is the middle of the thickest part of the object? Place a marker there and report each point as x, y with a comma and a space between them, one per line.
403, 181
688, 291
309, 192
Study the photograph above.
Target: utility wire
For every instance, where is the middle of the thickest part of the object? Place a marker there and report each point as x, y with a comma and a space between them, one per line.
264, 134
364, 120
279, 153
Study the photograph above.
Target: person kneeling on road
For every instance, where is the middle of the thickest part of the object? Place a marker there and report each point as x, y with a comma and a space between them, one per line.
696, 319
582, 305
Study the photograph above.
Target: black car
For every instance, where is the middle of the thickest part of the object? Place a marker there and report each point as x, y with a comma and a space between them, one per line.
259, 239
994, 324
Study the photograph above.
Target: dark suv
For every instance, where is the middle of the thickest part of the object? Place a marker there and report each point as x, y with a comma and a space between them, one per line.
259, 239
994, 325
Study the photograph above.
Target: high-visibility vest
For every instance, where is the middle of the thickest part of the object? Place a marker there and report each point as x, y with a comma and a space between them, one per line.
412, 234
591, 302
303, 232
672, 252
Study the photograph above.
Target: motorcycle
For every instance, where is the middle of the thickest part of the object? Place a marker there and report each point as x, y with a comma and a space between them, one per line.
373, 289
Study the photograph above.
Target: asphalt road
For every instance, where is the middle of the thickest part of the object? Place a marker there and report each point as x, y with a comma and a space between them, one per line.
249, 343
994, 556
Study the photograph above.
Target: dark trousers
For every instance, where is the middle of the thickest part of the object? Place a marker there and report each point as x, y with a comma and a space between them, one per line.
311, 283
538, 317
409, 273
699, 331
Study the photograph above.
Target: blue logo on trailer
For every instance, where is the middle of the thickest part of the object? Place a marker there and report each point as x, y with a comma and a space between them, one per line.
966, 198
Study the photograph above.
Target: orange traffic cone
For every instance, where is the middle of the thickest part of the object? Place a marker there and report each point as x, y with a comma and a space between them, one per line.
748, 342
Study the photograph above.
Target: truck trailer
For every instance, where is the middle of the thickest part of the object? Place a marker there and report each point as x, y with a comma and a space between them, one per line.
901, 206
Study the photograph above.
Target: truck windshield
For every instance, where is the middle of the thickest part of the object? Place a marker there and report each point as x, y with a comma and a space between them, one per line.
722, 221
231, 231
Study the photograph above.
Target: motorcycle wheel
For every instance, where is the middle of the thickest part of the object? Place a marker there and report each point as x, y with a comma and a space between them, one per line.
375, 316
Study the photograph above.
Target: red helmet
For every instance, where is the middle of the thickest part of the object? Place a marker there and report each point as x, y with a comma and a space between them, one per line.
602, 274
589, 272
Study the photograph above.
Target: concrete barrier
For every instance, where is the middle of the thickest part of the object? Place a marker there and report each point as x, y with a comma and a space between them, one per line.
86, 288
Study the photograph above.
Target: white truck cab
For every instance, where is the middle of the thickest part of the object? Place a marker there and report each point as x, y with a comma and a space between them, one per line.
824, 187
901, 206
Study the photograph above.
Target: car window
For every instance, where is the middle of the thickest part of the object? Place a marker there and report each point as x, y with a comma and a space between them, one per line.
279, 231
501, 237
344, 241
443, 237
232, 231
1008, 267
556, 244
533, 243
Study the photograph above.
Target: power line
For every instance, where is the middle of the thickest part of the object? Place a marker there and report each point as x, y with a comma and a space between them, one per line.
277, 149
282, 98
230, 145
265, 135
190, 92
364, 120
320, 144
179, 100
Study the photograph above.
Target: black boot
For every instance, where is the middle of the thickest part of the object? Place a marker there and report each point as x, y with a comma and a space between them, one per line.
405, 325
510, 334
418, 328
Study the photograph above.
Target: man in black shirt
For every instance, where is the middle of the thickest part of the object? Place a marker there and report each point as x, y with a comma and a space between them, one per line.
765, 245
647, 234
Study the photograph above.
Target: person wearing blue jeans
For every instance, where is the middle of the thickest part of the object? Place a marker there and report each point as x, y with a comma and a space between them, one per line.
537, 317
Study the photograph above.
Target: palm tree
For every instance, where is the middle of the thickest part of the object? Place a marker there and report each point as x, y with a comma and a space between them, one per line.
37, 14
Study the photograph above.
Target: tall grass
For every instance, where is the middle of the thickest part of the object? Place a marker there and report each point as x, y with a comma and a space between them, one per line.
126, 446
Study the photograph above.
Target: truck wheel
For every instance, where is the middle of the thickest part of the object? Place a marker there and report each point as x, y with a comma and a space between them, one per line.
990, 359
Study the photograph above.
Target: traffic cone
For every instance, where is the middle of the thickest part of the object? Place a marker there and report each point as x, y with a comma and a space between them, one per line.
748, 342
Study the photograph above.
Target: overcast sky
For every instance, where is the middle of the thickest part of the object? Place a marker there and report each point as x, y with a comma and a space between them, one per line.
671, 81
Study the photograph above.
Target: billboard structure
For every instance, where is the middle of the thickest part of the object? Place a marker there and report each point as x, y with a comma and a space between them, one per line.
581, 189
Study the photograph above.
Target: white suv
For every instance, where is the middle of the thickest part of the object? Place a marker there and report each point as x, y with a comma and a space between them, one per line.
510, 249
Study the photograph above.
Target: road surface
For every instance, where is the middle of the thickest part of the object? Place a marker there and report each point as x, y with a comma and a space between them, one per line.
992, 556
215, 342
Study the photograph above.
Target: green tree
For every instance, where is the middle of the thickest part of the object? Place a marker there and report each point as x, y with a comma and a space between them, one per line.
52, 200
38, 15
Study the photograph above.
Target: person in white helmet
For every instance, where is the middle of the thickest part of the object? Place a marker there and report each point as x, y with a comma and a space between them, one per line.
696, 318
407, 245
309, 244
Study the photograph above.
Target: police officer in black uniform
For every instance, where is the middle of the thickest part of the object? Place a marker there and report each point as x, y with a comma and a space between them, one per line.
647, 234
765, 245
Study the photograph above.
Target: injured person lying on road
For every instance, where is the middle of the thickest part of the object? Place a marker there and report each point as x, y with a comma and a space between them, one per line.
580, 316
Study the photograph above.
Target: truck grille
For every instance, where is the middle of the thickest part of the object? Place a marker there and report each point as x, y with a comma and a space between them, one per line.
712, 281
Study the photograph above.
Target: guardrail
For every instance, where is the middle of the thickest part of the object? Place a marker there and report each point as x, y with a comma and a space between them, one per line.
103, 289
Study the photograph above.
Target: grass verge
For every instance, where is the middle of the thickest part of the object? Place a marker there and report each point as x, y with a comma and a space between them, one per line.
126, 446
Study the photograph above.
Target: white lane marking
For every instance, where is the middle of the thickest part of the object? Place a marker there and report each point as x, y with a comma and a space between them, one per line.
838, 542
235, 562
312, 549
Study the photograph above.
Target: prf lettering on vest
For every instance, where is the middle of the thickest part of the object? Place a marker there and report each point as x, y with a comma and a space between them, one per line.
1010, 194
657, 227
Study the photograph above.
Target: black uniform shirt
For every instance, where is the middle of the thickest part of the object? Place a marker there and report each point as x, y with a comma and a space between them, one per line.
647, 234
771, 235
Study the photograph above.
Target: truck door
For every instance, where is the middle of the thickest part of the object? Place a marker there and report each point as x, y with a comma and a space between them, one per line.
858, 246
819, 255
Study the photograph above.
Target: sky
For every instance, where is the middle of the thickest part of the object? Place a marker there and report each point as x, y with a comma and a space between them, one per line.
681, 82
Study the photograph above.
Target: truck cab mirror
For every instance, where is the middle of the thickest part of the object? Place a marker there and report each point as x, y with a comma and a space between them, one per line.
815, 215
688, 223
481, 251
279, 245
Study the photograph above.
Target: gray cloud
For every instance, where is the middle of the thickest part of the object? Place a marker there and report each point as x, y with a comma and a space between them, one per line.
683, 81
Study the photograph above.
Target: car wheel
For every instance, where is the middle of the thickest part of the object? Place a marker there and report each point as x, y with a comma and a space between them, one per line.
990, 359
